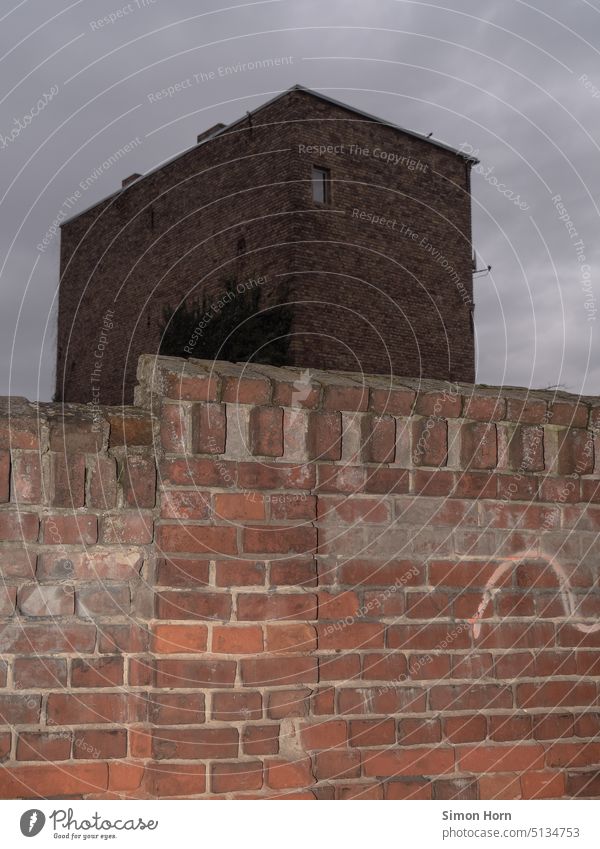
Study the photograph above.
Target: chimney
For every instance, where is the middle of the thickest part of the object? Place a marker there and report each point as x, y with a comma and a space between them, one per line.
203, 136
131, 179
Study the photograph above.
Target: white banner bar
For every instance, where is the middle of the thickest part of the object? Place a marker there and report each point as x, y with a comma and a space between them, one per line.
287, 825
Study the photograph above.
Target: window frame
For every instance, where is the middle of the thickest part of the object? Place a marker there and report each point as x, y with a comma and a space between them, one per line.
325, 182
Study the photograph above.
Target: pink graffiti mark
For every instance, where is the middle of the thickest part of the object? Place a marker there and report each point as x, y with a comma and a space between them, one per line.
566, 593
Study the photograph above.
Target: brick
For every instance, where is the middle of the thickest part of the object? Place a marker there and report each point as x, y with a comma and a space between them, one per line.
103, 744
175, 604
484, 408
266, 431
17, 562
568, 413
281, 774
69, 530
67, 479
19, 429
39, 672
122, 638
575, 452
229, 777
455, 788
198, 472
240, 573
478, 446
446, 404
353, 509
236, 707
429, 442
584, 784
102, 486
279, 672
529, 410
243, 506
209, 428
543, 785
73, 433
18, 526
280, 539
526, 449
194, 743
394, 402
182, 572
286, 703
8, 600
388, 481
46, 600
231, 639
4, 476
324, 436
385, 667
19, 709
555, 694
182, 504
176, 708
291, 638
202, 674
139, 481
552, 726
292, 506
510, 727
371, 732
506, 786
176, 639
407, 789
197, 539
359, 635
246, 390
341, 667
42, 637
261, 739
91, 708
35, 746
95, 564
417, 761
41, 780
164, 780
337, 764
465, 729
97, 672
572, 755
475, 485
183, 385
378, 438
258, 606
174, 428
419, 731
509, 758
107, 600
129, 427
324, 735
280, 476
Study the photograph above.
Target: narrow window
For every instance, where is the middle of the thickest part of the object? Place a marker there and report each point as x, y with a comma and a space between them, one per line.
321, 185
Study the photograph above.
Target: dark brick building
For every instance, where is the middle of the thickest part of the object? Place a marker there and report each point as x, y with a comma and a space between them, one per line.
365, 228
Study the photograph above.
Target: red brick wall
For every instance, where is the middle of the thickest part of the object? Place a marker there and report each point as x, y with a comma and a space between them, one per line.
250, 585
240, 206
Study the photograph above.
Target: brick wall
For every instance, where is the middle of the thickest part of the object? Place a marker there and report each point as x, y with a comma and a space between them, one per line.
254, 584
240, 206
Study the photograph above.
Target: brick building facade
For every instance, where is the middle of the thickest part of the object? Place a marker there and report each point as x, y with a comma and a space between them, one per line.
362, 226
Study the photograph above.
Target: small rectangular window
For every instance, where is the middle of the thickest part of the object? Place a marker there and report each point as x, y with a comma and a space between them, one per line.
321, 185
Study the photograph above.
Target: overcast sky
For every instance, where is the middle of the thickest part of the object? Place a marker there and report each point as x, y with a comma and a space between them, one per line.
517, 81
